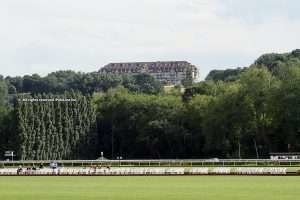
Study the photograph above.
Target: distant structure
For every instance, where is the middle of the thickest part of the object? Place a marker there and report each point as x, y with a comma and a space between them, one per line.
167, 73
285, 156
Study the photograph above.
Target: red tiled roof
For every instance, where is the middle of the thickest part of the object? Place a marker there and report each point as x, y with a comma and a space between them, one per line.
148, 66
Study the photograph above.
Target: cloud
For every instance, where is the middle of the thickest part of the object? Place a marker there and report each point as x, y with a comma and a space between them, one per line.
43, 36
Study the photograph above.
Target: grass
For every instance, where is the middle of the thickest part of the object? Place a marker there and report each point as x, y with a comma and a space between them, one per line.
150, 188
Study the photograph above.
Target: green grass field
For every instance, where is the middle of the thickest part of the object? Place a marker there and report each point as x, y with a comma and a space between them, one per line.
150, 188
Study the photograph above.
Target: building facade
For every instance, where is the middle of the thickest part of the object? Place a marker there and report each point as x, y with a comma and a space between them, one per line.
167, 73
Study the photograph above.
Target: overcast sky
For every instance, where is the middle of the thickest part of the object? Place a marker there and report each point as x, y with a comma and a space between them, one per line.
40, 36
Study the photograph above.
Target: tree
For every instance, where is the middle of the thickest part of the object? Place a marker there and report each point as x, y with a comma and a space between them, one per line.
256, 85
286, 110
56, 129
140, 125
3, 113
195, 114
225, 75
273, 62
145, 83
226, 123
3, 94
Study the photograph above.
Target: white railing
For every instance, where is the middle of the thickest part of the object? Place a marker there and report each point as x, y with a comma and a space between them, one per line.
157, 163
147, 171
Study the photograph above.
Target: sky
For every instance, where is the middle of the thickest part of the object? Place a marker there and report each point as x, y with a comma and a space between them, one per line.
41, 36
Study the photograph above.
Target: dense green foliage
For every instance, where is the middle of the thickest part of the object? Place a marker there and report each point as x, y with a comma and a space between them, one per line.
253, 116
87, 83
3, 94
52, 130
225, 75
242, 113
139, 125
6, 117
247, 118
150, 188
274, 62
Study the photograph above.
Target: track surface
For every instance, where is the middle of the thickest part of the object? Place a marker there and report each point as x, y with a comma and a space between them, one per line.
150, 188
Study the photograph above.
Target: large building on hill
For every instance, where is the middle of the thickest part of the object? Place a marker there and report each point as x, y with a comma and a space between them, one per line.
168, 73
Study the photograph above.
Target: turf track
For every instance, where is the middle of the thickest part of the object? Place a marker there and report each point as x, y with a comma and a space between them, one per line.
150, 188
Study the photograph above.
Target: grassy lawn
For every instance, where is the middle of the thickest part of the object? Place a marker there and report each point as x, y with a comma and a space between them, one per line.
150, 188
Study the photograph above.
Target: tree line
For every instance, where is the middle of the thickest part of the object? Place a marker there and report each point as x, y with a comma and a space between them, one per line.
243, 113
86, 83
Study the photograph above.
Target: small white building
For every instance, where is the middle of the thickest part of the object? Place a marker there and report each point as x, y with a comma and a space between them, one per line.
285, 156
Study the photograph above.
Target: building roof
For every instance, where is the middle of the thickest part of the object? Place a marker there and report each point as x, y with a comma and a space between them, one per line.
149, 66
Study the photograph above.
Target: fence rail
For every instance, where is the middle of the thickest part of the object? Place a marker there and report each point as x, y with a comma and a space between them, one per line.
158, 163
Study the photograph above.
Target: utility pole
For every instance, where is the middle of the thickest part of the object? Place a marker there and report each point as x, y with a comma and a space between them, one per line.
112, 143
239, 150
255, 146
